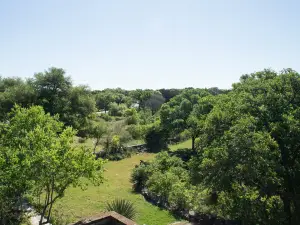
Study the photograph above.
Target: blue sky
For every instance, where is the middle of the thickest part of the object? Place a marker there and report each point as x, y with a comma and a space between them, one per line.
149, 43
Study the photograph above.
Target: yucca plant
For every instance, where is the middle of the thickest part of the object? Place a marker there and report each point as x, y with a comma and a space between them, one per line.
123, 207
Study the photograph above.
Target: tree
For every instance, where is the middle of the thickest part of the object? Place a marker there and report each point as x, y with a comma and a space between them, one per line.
52, 88
103, 99
249, 151
141, 96
57, 96
45, 156
97, 133
176, 115
169, 93
193, 127
80, 107
156, 139
15, 91
155, 101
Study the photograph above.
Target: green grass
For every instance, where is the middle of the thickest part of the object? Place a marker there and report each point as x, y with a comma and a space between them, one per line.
185, 144
77, 204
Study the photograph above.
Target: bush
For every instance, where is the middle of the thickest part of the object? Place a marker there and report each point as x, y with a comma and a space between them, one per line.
166, 181
106, 117
139, 176
135, 131
145, 117
180, 196
160, 185
114, 149
125, 136
116, 110
131, 116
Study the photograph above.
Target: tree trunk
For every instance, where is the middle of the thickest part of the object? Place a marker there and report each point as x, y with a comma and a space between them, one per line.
51, 200
287, 210
193, 143
45, 206
95, 145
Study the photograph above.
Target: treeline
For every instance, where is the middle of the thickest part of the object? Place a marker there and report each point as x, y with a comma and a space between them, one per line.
244, 162
76, 105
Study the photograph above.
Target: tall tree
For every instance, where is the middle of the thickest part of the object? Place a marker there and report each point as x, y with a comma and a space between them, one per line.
53, 88
249, 152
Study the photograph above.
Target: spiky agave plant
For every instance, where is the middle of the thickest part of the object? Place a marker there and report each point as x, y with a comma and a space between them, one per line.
123, 207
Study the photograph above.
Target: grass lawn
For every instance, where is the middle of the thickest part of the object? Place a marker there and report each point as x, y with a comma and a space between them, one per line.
185, 144
77, 204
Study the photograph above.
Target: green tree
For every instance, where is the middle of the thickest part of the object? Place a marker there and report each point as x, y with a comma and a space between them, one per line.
79, 109
141, 96
45, 156
249, 149
103, 99
97, 133
156, 139
154, 102
15, 91
52, 88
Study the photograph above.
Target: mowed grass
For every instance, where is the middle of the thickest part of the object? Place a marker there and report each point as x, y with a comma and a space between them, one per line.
185, 144
77, 204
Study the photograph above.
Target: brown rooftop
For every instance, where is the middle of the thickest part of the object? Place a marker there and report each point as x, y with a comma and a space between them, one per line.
107, 218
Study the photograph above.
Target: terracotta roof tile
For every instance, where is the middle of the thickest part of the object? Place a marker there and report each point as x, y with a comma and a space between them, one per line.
106, 215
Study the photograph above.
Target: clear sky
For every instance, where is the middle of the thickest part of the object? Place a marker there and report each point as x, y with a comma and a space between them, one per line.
149, 43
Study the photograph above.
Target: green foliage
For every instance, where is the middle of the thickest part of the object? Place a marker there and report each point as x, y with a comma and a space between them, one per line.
116, 110
114, 149
169, 93
155, 101
97, 131
180, 113
135, 131
140, 176
122, 206
38, 157
131, 116
247, 149
166, 180
106, 117
184, 135
156, 139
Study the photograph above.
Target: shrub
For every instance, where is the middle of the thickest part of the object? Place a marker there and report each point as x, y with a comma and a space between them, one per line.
131, 116
125, 136
164, 162
160, 184
116, 110
140, 176
145, 117
105, 117
180, 197
135, 131
114, 149
123, 207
